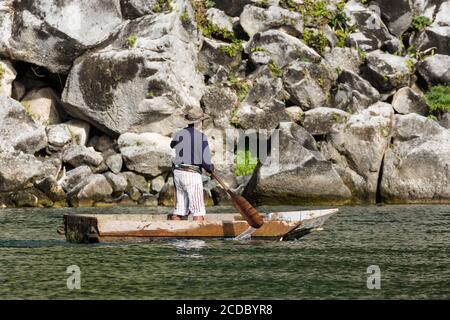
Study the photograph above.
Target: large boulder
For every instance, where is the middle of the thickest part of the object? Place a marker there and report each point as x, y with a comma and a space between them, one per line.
416, 165
7, 76
17, 170
94, 187
218, 18
280, 47
216, 54
58, 137
442, 17
73, 177
396, 14
118, 182
18, 130
146, 153
132, 9
263, 108
354, 93
42, 104
79, 130
407, 101
218, 102
386, 71
296, 172
256, 19
344, 59
321, 121
433, 37
371, 31
360, 145
435, 69
77, 155
309, 84
232, 7
142, 80
54, 33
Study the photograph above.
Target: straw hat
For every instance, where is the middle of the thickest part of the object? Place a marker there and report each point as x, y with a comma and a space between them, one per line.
195, 115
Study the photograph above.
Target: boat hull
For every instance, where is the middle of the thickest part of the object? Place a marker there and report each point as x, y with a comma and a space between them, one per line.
87, 228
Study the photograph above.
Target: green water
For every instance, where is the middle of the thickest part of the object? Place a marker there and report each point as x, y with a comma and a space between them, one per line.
410, 244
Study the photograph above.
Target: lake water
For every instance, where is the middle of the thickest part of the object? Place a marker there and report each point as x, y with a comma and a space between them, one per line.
410, 245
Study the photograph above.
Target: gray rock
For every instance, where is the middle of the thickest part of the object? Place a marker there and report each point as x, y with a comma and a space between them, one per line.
51, 188
42, 104
213, 55
74, 177
344, 58
142, 80
79, 130
416, 170
18, 130
146, 153
53, 34
232, 7
407, 101
435, 69
300, 176
7, 76
18, 90
17, 170
372, 31
132, 9
114, 163
104, 143
433, 37
263, 108
58, 137
256, 19
119, 183
354, 93
157, 184
77, 155
93, 187
386, 71
136, 181
218, 102
411, 126
309, 84
361, 143
320, 121
445, 120
282, 48
296, 114
220, 19
442, 18
396, 14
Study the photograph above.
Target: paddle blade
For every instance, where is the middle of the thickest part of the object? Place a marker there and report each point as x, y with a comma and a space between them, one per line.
249, 213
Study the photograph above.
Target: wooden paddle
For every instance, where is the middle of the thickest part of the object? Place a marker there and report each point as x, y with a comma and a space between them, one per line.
254, 219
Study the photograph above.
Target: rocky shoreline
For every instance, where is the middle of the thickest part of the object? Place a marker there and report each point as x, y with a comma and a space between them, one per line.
356, 92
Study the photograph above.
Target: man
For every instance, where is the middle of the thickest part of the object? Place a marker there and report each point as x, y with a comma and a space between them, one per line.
192, 155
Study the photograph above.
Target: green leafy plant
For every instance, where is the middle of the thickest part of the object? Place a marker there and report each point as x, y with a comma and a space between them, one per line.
233, 49
211, 30
241, 86
315, 39
257, 49
184, 17
438, 98
419, 23
275, 70
132, 41
410, 65
245, 163
150, 95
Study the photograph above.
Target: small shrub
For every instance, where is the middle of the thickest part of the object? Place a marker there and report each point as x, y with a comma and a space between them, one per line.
233, 49
275, 70
241, 86
245, 163
420, 22
438, 98
212, 30
315, 39
131, 41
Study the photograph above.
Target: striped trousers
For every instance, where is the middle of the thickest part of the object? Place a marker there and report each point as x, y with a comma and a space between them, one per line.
189, 193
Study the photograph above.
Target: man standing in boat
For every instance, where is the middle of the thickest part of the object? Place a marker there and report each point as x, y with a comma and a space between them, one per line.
192, 155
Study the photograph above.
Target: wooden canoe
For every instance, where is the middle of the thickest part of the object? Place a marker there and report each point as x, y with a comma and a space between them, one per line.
88, 228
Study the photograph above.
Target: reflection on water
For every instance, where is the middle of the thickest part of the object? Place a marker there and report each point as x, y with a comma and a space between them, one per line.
410, 244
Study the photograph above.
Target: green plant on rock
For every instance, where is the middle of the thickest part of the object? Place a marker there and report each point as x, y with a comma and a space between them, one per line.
2, 72
150, 95
432, 117
438, 98
132, 41
257, 49
233, 49
419, 23
241, 86
234, 121
163, 6
211, 30
315, 39
410, 65
209, 4
245, 163
275, 70
184, 17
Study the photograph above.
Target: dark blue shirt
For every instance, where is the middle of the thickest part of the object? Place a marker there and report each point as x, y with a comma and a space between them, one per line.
191, 147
